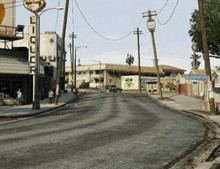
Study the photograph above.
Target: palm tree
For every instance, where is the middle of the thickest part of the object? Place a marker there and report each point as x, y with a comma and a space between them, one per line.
130, 59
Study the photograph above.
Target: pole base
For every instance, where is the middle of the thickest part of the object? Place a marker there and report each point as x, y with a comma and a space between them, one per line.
209, 108
36, 105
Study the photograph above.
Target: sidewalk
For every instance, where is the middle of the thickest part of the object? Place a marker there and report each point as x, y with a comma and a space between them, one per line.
193, 106
185, 103
26, 110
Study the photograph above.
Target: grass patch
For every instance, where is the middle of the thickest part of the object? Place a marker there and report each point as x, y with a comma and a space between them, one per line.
166, 99
218, 113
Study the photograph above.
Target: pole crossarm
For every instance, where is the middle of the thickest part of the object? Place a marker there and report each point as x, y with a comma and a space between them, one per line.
138, 32
72, 36
146, 14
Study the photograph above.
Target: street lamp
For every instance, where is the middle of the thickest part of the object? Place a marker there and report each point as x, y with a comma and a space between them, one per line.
76, 48
151, 26
99, 73
36, 103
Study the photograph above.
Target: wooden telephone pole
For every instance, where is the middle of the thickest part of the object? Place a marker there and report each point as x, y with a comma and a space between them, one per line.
72, 58
139, 66
206, 57
61, 52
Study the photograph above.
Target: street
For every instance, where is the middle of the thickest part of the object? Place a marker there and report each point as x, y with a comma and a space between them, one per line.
100, 131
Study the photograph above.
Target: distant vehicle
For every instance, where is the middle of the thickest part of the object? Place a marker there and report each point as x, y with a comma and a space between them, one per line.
114, 89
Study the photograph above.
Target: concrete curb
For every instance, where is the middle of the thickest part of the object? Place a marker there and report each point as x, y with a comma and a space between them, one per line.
40, 112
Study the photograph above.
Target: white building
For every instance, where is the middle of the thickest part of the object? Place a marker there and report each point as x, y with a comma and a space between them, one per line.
50, 48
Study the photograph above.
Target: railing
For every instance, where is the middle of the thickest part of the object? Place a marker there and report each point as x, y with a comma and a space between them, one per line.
12, 31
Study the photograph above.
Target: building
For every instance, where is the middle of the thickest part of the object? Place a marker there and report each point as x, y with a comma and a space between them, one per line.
16, 70
198, 71
110, 74
50, 48
17, 57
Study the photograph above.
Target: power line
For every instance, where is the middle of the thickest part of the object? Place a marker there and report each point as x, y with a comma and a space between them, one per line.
13, 6
100, 34
170, 15
57, 17
12, 2
163, 7
73, 15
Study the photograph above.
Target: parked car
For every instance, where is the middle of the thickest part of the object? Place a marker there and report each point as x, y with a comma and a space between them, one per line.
115, 89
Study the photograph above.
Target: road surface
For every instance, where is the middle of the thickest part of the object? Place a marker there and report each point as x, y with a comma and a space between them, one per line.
100, 131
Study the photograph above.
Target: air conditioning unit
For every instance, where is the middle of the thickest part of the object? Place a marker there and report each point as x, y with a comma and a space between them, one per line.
51, 58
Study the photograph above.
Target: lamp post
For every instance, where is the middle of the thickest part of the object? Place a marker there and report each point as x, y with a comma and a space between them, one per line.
36, 103
76, 48
99, 73
151, 26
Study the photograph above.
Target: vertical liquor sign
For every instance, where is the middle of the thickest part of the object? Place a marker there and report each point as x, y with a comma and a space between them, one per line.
34, 6
32, 40
7, 17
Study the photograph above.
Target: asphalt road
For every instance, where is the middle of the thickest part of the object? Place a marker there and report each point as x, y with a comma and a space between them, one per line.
100, 131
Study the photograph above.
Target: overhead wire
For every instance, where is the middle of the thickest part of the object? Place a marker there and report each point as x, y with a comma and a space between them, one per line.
100, 34
57, 17
8, 4
170, 15
163, 7
73, 16
14, 6
11, 2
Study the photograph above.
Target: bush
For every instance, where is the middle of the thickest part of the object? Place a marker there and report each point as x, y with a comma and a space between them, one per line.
106, 86
84, 85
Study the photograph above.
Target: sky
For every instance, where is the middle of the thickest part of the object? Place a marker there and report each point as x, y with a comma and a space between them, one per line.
106, 28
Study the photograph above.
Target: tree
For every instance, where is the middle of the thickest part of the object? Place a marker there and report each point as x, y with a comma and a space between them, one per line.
196, 60
212, 18
130, 59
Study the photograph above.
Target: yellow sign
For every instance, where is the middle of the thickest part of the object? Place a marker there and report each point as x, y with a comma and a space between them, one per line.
34, 5
7, 15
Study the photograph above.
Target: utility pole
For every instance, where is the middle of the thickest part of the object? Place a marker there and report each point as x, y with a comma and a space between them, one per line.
62, 51
72, 57
139, 66
100, 76
206, 57
151, 27
71, 61
75, 68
